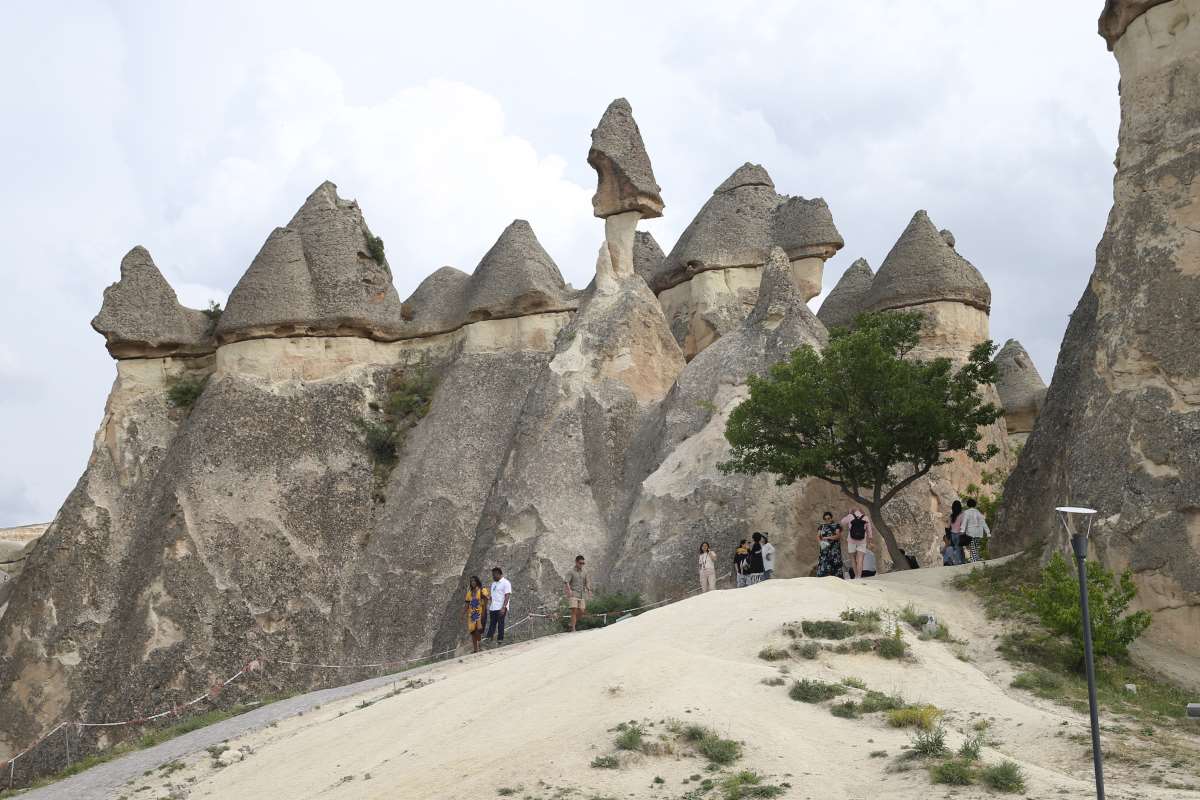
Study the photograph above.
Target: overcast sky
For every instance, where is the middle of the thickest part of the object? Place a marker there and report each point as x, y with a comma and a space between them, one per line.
194, 129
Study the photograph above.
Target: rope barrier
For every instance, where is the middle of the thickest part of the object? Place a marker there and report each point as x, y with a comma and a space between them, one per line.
257, 664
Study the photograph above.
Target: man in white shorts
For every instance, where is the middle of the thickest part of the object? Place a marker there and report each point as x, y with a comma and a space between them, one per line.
859, 535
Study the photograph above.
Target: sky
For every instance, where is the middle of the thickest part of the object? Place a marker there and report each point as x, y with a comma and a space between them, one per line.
194, 129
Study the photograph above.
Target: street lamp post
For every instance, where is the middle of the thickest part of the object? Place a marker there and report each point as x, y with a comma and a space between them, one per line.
1079, 543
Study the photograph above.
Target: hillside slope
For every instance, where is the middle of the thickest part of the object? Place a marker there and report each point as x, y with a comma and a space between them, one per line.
532, 717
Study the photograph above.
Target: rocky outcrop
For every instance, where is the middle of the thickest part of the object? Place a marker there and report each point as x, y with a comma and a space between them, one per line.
1119, 14
1022, 390
681, 499
708, 283
15, 546
515, 278
141, 317
647, 256
322, 275
619, 158
845, 301
1120, 429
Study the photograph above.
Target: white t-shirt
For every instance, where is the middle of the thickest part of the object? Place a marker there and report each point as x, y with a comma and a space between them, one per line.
500, 590
768, 553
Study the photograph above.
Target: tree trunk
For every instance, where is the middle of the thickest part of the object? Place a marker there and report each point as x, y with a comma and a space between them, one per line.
889, 538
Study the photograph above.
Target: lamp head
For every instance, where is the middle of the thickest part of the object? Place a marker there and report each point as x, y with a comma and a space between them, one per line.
1069, 515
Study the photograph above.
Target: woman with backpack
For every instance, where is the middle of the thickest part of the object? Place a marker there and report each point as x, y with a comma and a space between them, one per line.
859, 535
829, 539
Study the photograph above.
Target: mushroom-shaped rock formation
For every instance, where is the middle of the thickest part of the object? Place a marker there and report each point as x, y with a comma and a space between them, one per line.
1118, 14
626, 179
142, 318
516, 277
709, 280
921, 268
322, 275
1022, 390
647, 255
845, 302
805, 230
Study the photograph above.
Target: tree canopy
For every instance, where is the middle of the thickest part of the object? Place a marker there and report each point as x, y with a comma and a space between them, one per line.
857, 412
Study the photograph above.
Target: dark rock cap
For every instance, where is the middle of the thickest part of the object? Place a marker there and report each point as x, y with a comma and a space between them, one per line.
804, 228
1118, 14
142, 318
626, 179
845, 301
922, 268
1018, 383
319, 276
516, 277
732, 229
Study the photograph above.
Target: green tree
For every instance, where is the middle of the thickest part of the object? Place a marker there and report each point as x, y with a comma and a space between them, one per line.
863, 415
1055, 601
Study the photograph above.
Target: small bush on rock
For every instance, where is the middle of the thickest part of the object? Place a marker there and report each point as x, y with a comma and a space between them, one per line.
812, 691
183, 392
953, 773
375, 248
828, 629
1006, 776
924, 717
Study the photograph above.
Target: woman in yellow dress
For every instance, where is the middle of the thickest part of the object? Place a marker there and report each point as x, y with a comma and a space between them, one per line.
475, 611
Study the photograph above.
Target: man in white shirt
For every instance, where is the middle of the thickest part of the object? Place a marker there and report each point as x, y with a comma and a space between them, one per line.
974, 525
768, 556
501, 593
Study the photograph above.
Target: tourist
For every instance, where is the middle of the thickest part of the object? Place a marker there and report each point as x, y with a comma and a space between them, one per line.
499, 596
768, 556
578, 585
951, 555
708, 568
860, 534
754, 560
740, 555
475, 611
974, 527
868, 564
955, 529
829, 540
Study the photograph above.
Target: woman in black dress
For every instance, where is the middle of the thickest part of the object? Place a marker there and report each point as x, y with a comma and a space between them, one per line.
829, 536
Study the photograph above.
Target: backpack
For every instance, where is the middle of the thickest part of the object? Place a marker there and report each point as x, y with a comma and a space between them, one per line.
858, 528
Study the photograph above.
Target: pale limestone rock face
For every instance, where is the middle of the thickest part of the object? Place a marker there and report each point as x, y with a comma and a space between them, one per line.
1022, 390
714, 302
141, 317
1120, 428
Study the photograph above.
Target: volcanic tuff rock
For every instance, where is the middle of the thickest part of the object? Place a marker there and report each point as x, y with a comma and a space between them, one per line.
1022, 390
516, 277
141, 317
315, 277
922, 267
1120, 429
1118, 14
845, 301
647, 256
708, 282
681, 499
626, 179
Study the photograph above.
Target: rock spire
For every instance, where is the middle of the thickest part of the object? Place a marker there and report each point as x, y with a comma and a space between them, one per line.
845, 301
922, 268
626, 179
1022, 390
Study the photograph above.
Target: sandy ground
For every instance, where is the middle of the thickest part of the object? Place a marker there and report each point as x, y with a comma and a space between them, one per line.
533, 716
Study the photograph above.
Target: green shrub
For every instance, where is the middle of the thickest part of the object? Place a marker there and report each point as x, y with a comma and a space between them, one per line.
213, 312
969, 750
878, 701
953, 772
748, 784
924, 717
772, 653
1055, 601
891, 647
809, 650
718, 750
828, 629
375, 248
929, 742
1038, 681
629, 738
410, 394
775, 681
854, 683
601, 610
694, 733
605, 762
184, 391
847, 709
1006, 776
812, 691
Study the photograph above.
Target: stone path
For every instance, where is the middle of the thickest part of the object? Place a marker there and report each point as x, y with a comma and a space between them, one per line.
108, 780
